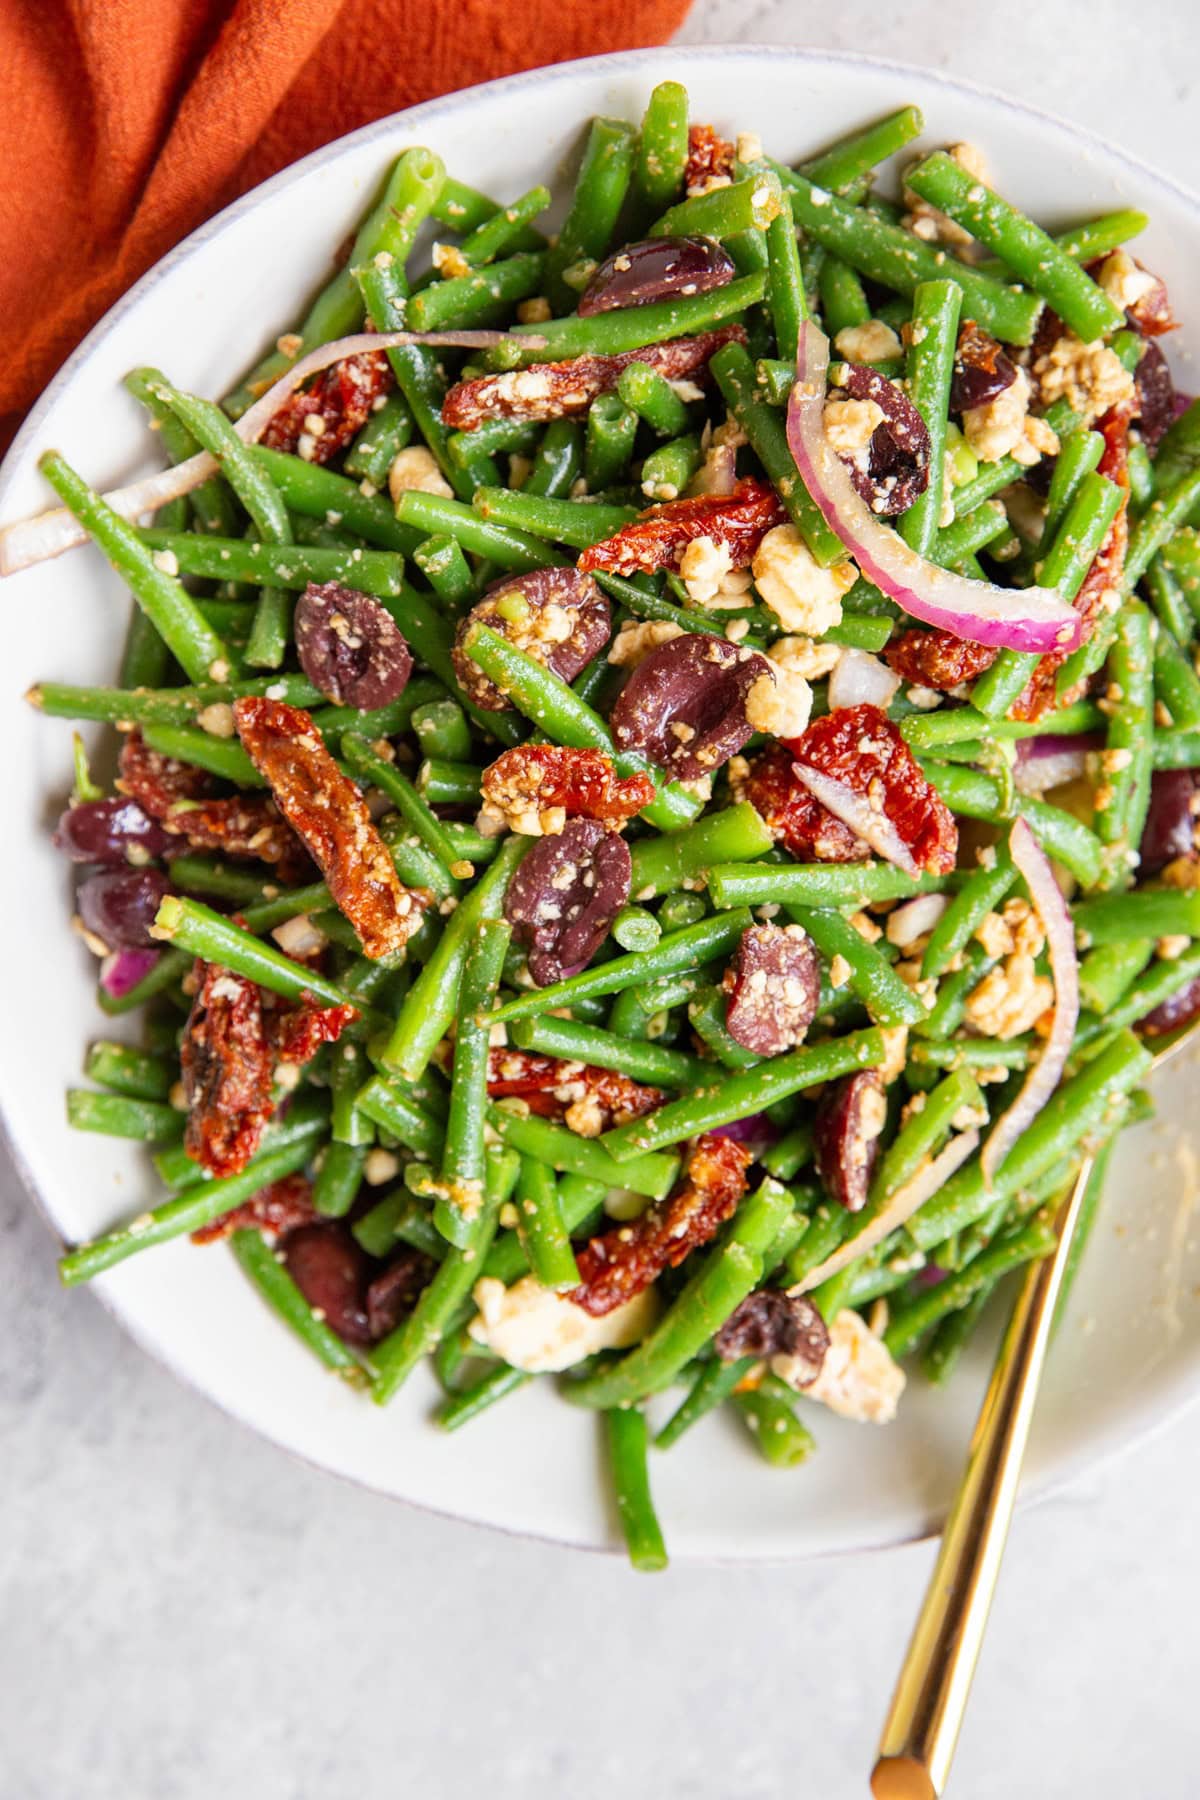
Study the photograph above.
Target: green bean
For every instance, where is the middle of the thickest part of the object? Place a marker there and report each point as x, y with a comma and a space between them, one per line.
635, 929
625, 1434
464, 209
856, 154
1021, 245
196, 928
939, 1358
505, 230
585, 234
1175, 681
429, 1007
125, 1070
431, 638
120, 1115
441, 561
1085, 526
388, 431
542, 1230
611, 430
1171, 507
421, 1333
580, 1200
399, 1217
667, 470
509, 549
635, 1008
220, 756
662, 149
678, 910
733, 370
976, 795
145, 659
211, 503
409, 194
726, 1275
1150, 913
815, 884
747, 205
1122, 801
170, 608
715, 1382
1179, 448
386, 1103
1176, 749
559, 521
910, 1322
260, 1261
1107, 972
789, 1154
629, 327
199, 1205
449, 784
485, 297
844, 303
949, 1006
737, 1096
649, 1062
980, 894
1168, 600
928, 731
442, 731
932, 343
888, 254
869, 974
460, 1409
768, 1412
1148, 991
564, 1150
651, 397
160, 706
1075, 1109
559, 460
785, 281
706, 1016
463, 1157
294, 566
320, 493
364, 760
1140, 471
920, 1136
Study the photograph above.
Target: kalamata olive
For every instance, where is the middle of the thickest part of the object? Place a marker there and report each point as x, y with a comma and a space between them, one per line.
1182, 1007
113, 832
1156, 394
773, 983
565, 895
558, 615
893, 469
350, 646
982, 369
119, 905
657, 269
684, 706
393, 1294
846, 1132
770, 1322
1170, 828
332, 1273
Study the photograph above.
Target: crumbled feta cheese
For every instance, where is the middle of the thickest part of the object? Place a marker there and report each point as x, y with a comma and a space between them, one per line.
1123, 282
702, 568
849, 426
638, 637
859, 1379
535, 1329
166, 561
924, 219
1010, 999
1089, 377
804, 657
416, 469
1002, 427
299, 937
449, 260
380, 1166
216, 719
535, 311
749, 147
803, 596
870, 342
780, 701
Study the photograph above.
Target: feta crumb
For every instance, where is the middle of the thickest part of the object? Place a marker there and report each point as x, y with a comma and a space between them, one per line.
416, 469
1123, 282
166, 561
638, 637
216, 719
380, 1166
535, 311
702, 568
870, 342
449, 260
859, 1379
803, 596
535, 1329
1002, 427
1090, 377
1010, 999
780, 701
299, 937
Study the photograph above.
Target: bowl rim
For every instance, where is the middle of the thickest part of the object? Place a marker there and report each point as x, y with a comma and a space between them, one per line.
1180, 1397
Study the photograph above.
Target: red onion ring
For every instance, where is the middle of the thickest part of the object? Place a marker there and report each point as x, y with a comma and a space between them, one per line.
1006, 618
1043, 1078
854, 810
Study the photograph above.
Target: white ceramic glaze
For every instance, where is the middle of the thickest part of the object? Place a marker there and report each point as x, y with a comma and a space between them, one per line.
1129, 1351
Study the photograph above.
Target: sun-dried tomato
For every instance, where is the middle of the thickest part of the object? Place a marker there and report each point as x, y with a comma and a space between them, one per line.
155, 781
282, 1207
299, 1032
794, 816
659, 537
557, 390
862, 749
588, 1099
182, 799
1103, 578
936, 659
227, 1068
621, 1262
330, 816
536, 778
709, 157
342, 398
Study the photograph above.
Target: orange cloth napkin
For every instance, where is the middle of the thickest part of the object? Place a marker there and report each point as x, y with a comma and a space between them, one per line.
126, 123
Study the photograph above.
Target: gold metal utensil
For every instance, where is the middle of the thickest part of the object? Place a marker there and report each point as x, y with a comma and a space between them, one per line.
928, 1706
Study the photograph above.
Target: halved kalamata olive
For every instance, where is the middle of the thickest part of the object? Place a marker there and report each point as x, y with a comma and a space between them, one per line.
658, 269
892, 470
113, 832
1170, 828
392, 1295
565, 895
1180, 1009
684, 706
770, 1322
982, 369
846, 1132
350, 646
558, 615
331, 1271
1156, 394
119, 905
773, 983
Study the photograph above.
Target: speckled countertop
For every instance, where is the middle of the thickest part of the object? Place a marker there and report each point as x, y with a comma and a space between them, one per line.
185, 1613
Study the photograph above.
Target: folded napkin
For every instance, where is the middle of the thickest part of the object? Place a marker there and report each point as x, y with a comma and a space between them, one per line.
126, 123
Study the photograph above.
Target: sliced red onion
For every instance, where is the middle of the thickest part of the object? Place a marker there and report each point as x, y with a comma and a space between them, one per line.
854, 810
1005, 618
124, 969
36, 540
860, 679
1047, 761
907, 923
1041, 1081
898, 1211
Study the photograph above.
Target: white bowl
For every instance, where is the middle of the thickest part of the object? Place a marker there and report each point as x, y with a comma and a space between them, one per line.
1129, 1353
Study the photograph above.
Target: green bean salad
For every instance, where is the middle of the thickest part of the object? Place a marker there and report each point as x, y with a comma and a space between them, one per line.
654, 825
